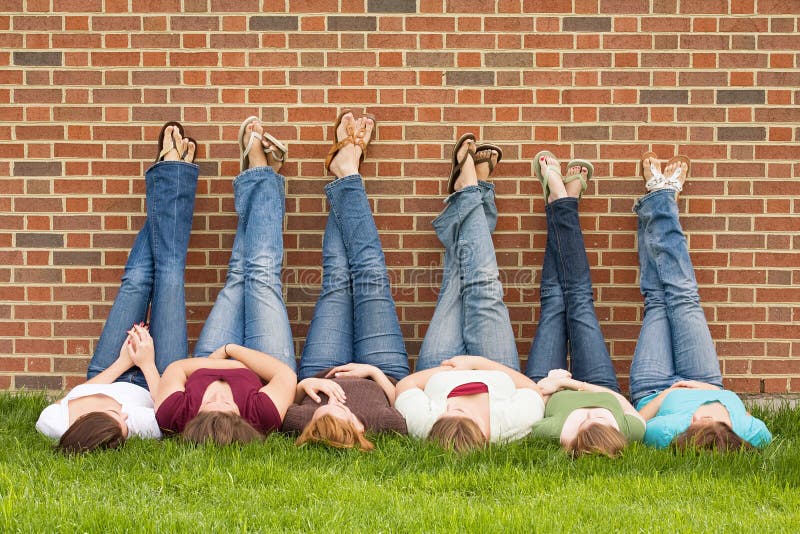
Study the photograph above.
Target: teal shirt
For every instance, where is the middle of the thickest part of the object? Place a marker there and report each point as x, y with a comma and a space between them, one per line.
676, 411
563, 403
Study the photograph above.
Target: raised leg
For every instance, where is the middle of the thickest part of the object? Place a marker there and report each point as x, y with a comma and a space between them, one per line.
330, 337
668, 283
377, 339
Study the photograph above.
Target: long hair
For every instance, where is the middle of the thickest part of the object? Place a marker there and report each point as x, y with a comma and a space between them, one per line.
94, 430
597, 439
716, 436
222, 428
460, 434
335, 432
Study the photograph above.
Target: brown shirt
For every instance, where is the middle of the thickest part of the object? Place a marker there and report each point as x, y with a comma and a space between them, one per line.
365, 398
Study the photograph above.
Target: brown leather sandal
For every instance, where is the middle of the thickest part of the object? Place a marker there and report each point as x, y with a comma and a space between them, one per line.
164, 150
455, 170
494, 148
339, 144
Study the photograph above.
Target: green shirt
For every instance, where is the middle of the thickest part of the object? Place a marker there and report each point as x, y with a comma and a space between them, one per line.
562, 403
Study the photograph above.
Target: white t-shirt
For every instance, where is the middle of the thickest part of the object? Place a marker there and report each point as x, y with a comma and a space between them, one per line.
135, 401
512, 411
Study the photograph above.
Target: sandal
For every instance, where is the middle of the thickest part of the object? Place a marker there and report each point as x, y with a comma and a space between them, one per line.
162, 150
579, 176
354, 137
675, 178
186, 152
455, 170
537, 171
489, 146
659, 181
279, 152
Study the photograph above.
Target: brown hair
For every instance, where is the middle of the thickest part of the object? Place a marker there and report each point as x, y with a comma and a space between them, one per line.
91, 431
716, 436
335, 432
460, 434
222, 428
597, 439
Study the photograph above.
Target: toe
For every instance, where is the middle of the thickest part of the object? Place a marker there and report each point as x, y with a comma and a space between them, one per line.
192, 148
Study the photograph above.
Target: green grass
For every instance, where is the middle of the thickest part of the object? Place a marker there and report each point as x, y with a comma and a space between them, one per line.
402, 486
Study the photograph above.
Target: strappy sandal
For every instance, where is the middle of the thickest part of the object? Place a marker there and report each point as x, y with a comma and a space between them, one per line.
164, 150
186, 152
455, 170
579, 176
659, 181
537, 171
488, 146
279, 152
355, 136
677, 185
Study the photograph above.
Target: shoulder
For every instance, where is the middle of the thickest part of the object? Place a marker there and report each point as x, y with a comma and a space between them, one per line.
53, 421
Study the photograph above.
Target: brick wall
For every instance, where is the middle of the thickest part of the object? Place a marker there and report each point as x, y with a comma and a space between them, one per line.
85, 86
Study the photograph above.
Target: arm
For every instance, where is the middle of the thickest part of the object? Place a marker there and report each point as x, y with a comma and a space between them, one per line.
174, 377
142, 353
484, 364
115, 370
650, 411
418, 379
360, 370
281, 379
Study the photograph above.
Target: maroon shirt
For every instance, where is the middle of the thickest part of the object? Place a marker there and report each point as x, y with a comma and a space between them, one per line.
470, 388
256, 408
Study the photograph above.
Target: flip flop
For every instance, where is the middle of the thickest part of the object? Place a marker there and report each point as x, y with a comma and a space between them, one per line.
646, 155
673, 180
186, 152
278, 153
579, 176
537, 171
164, 151
489, 146
337, 144
455, 170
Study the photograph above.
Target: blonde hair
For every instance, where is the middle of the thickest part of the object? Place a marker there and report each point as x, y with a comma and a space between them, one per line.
335, 432
597, 439
716, 436
222, 428
459, 434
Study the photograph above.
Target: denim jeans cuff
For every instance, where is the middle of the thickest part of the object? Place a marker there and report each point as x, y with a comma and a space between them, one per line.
171, 162
452, 197
485, 185
265, 171
649, 196
349, 178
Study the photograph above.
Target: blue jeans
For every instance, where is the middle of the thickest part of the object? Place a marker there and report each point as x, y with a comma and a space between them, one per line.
674, 343
249, 310
355, 318
154, 274
470, 316
568, 322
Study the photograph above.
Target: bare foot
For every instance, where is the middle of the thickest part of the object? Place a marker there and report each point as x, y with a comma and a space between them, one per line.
190, 150
171, 134
574, 188
554, 182
646, 164
347, 160
272, 159
468, 175
256, 157
670, 170
482, 169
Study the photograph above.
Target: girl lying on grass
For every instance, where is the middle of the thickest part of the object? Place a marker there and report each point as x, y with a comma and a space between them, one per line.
676, 382
114, 403
585, 411
465, 402
354, 352
226, 400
